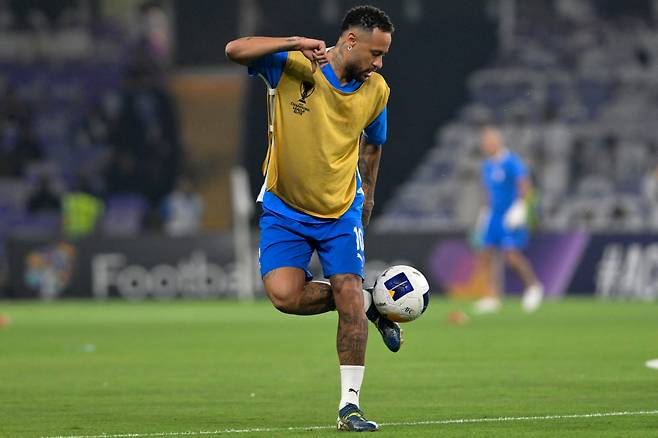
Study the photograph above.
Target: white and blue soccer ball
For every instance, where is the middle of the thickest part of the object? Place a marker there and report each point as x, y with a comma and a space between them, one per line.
401, 293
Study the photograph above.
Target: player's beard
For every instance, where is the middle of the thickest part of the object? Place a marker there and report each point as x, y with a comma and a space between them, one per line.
353, 71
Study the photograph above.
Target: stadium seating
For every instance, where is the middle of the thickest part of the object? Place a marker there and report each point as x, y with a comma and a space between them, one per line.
572, 101
59, 76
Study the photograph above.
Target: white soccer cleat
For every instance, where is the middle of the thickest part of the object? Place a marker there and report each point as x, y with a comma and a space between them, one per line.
532, 298
486, 305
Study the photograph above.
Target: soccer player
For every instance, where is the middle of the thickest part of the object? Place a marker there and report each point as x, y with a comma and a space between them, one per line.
327, 122
503, 221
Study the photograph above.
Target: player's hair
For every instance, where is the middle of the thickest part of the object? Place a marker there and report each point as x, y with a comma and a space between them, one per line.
367, 17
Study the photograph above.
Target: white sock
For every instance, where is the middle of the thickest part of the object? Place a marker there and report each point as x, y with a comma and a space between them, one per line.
351, 377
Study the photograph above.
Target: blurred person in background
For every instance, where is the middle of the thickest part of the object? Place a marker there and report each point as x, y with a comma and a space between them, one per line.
19, 145
183, 209
20, 148
327, 115
145, 137
153, 42
28, 147
650, 193
81, 210
122, 175
502, 224
43, 199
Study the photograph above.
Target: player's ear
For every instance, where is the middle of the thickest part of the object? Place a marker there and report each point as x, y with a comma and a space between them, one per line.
350, 39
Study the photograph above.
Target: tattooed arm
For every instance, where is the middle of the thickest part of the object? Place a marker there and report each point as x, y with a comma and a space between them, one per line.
246, 50
369, 156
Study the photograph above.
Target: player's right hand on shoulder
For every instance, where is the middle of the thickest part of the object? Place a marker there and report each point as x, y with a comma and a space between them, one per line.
315, 51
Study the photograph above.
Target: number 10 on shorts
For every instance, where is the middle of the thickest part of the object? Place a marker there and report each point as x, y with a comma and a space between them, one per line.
360, 246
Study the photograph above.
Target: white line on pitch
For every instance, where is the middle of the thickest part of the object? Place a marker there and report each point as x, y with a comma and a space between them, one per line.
405, 423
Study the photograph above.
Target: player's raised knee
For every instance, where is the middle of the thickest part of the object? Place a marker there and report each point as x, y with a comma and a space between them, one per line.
283, 287
285, 300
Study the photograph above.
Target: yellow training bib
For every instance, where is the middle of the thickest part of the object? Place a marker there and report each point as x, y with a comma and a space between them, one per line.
315, 131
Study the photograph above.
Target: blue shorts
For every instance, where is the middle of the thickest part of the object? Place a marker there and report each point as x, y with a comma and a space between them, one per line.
285, 242
497, 235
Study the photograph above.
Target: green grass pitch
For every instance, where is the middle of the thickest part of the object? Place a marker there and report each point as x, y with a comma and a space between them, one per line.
154, 369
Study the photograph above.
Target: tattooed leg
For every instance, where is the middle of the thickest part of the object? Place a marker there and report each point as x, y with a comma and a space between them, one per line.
352, 334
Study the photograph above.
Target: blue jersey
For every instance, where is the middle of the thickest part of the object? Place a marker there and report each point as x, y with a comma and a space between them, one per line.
270, 67
501, 177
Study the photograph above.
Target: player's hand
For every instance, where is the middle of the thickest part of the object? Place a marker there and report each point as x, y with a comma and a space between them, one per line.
315, 51
517, 215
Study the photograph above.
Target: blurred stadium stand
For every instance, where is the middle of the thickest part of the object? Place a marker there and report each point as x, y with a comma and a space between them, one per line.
575, 95
82, 96
128, 96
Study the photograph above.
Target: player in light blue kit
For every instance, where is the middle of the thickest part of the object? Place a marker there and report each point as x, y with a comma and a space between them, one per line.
502, 224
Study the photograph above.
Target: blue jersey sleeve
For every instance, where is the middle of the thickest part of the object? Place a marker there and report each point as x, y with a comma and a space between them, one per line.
270, 67
376, 132
519, 169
